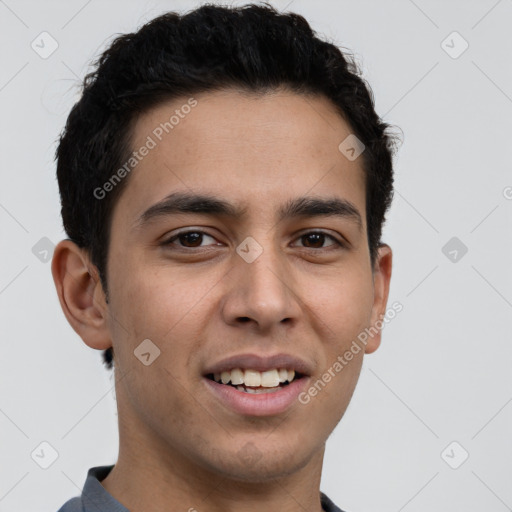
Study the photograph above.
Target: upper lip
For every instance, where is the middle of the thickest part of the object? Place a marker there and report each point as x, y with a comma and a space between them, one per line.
261, 363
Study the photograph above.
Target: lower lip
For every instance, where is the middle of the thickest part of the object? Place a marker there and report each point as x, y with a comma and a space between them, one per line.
262, 404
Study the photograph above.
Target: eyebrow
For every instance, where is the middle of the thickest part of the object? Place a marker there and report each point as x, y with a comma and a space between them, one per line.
305, 206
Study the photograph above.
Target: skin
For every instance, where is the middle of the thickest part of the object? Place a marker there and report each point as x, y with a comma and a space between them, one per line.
180, 448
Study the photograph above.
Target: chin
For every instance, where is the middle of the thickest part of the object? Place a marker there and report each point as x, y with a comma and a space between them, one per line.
256, 464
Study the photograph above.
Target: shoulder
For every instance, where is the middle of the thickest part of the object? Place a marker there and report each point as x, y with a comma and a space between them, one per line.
328, 505
73, 505
93, 494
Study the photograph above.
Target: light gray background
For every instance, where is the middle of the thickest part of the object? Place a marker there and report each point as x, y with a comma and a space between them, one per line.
443, 371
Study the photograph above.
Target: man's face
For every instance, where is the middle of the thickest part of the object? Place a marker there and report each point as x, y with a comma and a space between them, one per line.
199, 300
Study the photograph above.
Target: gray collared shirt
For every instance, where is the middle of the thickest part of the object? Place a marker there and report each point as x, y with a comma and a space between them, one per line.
95, 498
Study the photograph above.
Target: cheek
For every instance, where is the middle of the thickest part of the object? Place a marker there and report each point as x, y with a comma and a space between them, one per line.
144, 304
160, 304
344, 307
343, 312
152, 305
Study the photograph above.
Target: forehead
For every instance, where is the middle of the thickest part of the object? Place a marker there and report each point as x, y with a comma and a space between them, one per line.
252, 149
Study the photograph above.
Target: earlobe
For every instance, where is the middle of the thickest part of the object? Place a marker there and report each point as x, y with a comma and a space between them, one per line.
381, 282
81, 294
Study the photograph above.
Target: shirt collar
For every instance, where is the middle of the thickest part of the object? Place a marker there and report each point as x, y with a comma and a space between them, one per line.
96, 498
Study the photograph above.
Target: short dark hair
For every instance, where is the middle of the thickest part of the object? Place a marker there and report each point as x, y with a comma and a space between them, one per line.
252, 48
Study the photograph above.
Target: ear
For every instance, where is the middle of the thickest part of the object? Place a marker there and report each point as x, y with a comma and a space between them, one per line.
381, 281
81, 294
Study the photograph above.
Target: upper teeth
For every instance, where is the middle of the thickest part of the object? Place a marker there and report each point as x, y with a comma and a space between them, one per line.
253, 378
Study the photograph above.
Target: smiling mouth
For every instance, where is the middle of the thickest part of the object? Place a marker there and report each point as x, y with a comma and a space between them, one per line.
254, 382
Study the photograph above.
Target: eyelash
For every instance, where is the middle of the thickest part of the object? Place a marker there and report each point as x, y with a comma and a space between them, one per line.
170, 241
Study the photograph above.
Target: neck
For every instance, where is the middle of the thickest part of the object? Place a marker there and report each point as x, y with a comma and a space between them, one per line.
150, 476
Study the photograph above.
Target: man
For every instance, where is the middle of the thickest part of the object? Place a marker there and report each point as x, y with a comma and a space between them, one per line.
224, 181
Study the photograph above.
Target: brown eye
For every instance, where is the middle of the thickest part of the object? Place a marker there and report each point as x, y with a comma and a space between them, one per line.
316, 240
190, 239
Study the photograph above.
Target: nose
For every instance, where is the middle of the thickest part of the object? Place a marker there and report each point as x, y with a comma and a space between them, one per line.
263, 293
